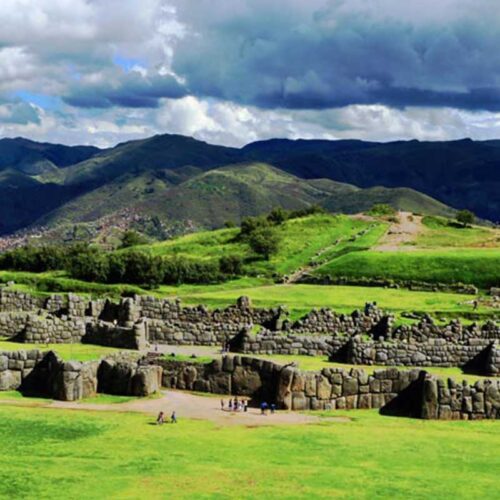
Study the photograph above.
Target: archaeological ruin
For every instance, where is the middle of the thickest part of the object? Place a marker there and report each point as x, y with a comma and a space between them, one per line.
366, 337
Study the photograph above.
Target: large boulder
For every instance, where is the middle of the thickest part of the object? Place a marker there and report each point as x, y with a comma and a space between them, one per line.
284, 393
430, 403
245, 382
146, 380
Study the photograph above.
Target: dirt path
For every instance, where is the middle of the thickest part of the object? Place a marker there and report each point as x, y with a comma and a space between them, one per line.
193, 406
404, 231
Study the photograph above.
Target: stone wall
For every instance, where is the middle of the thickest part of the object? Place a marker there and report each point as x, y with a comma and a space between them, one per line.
411, 393
40, 373
434, 398
54, 330
269, 342
58, 319
434, 352
15, 366
111, 335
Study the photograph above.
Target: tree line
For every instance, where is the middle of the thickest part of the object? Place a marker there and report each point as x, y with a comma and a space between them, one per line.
133, 267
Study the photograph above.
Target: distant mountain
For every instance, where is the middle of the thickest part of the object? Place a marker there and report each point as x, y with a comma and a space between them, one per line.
208, 199
156, 153
34, 158
462, 174
180, 178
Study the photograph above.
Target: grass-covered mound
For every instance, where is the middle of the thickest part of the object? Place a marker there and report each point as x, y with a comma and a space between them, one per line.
480, 267
123, 455
300, 299
443, 232
301, 240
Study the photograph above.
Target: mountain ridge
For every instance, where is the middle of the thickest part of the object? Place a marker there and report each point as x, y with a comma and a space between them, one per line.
462, 174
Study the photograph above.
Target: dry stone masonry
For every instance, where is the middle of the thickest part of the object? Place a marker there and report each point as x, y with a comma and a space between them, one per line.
43, 374
362, 337
411, 393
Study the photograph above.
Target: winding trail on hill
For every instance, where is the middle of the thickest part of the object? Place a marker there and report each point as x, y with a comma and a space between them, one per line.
402, 233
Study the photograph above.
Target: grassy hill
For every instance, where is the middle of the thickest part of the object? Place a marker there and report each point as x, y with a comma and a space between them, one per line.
462, 174
209, 199
175, 177
155, 153
301, 239
480, 267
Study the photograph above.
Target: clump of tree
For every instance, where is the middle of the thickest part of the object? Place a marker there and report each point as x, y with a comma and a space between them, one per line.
131, 238
465, 217
382, 210
90, 263
264, 241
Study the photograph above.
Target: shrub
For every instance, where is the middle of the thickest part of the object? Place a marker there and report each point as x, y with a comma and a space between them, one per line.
264, 241
132, 238
251, 224
231, 265
277, 216
465, 217
381, 209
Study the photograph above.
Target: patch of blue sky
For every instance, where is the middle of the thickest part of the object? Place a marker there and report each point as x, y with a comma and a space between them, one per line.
126, 63
44, 101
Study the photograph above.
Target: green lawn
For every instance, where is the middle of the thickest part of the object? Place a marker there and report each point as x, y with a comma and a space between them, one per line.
58, 282
441, 232
77, 352
68, 454
302, 298
301, 240
480, 267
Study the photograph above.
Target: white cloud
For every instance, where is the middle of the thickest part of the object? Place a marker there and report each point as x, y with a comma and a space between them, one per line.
233, 56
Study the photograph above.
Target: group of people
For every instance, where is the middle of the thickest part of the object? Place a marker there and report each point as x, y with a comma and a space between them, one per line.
234, 405
242, 405
160, 419
264, 408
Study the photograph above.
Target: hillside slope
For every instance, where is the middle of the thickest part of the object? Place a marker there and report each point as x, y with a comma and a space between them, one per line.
34, 158
209, 199
462, 174
161, 173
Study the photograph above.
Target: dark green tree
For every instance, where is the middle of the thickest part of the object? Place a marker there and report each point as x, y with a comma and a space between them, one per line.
264, 241
465, 217
131, 238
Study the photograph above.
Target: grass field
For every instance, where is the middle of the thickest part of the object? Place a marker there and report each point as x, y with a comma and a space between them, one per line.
441, 232
302, 298
122, 455
480, 267
301, 240
77, 352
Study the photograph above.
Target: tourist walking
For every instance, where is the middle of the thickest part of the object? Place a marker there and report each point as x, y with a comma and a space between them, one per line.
173, 418
273, 407
222, 404
245, 406
230, 404
263, 408
161, 418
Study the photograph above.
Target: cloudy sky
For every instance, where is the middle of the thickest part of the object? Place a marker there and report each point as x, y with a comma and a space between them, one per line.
234, 71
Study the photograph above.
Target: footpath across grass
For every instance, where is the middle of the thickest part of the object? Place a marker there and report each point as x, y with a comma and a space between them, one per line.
87, 455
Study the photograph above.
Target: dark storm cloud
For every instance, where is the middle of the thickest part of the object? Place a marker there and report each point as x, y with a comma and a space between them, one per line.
126, 89
321, 54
